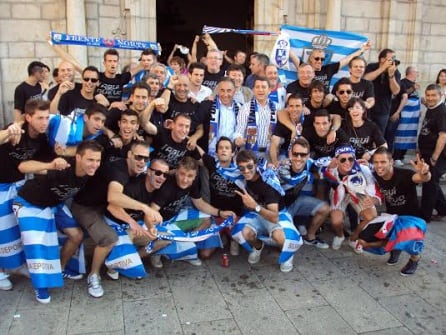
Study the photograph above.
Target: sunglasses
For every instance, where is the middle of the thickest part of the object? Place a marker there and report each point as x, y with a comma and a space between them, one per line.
247, 167
344, 159
159, 173
299, 154
317, 59
141, 158
341, 92
93, 80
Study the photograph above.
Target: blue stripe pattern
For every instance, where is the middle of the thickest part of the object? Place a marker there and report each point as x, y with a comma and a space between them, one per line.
406, 133
11, 249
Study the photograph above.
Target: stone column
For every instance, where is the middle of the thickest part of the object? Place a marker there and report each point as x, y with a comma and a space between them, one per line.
268, 16
142, 24
76, 25
333, 21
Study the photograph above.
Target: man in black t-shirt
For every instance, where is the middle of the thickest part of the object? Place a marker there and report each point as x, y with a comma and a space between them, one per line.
264, 218
41, 211
431, 144
343, 91
398, 186
29, 89
171, 198
171, 144
386, 82
19, 142
301, 86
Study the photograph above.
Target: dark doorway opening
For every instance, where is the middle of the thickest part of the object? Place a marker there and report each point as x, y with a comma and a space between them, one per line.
178, 21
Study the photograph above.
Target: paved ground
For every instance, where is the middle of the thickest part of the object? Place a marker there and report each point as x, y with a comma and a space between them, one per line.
328, 292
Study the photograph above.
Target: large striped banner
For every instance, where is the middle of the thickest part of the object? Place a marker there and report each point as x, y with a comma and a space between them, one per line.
218, 30
406, 133
301, 41
101, 42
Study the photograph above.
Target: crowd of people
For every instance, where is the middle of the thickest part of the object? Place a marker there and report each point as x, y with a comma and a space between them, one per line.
138, 159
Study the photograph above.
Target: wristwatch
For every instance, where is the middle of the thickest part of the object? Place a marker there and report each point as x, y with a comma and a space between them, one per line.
258, 208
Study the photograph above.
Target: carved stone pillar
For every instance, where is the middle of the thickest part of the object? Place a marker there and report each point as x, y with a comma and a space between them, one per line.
76, 25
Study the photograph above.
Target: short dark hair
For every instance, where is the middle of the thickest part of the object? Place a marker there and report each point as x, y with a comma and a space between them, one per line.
129, 112
34, 67
55, 72
352, 102
182, 115
302, 141
383, 53
434, 87
295, 96
383, 151
89, 145
147, 52
96, 108
140, 143
32, 106
90, 68
140, 85
188, 163
260, 78
236, 67
318, 85
112, 52
196, 65
262, 58
343, 81
321, 112
246, 156
225, 138
179, 60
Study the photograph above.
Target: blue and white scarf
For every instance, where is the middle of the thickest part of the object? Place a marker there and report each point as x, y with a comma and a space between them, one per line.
231, 172
269, 176
216, 118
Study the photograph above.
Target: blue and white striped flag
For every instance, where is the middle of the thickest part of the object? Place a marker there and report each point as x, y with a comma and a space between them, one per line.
406, 133
11, 250
301, 41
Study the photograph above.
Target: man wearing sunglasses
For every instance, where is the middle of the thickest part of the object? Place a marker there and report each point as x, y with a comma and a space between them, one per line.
354, 185
75, 101
343, 91
296, 179
265, 217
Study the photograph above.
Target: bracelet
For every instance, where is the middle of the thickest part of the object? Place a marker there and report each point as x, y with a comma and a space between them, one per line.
433, 160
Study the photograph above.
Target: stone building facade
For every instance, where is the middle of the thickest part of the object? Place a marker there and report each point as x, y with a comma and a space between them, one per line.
414, 28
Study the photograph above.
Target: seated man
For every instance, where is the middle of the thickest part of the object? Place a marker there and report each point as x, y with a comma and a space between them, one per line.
264, 217
294, 176
41, 211
171, 198
352, 184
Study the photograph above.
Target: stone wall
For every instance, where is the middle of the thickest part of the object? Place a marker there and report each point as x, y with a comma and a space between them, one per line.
414, 28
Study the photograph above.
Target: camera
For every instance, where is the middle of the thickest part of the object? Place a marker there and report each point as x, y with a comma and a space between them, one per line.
395, 61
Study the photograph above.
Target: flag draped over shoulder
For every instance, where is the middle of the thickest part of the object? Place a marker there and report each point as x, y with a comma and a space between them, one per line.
301, 41
218, 30
69, 39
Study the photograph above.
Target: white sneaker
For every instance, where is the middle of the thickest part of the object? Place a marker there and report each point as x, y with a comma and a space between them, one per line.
337, 242
194, 262
357, 248
155, 260
234, 248
398, 163
254, 256
112, 274
5, 283
94, 286
287, 266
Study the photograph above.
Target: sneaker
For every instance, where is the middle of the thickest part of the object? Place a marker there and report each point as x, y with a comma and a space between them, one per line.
194, 262
357, 248
302, 230
317, 242
94, 286
254, 256
234, 248
337, 242
398, 163
112, 274
287, 266
155, 260
394, 257
410, 268
69, 274
5, 283
42, 295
